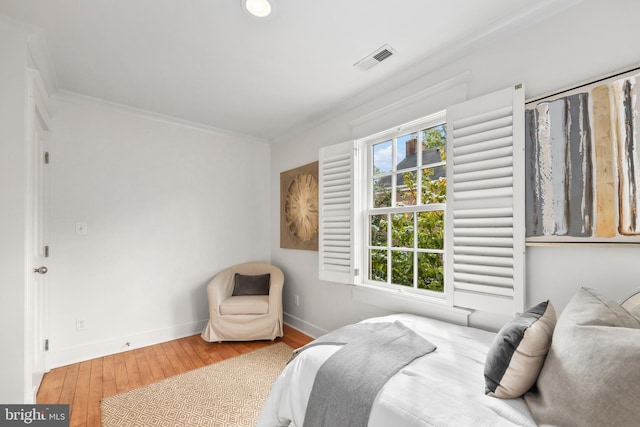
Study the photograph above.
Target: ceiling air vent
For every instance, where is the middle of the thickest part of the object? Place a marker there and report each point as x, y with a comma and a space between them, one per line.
375, 58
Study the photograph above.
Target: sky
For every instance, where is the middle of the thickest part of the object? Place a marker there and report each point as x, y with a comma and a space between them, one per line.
383, 152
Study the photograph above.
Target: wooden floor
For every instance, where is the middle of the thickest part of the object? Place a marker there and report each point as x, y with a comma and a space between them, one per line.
83, 385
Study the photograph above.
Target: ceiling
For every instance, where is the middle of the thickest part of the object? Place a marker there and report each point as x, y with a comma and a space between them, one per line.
208, 62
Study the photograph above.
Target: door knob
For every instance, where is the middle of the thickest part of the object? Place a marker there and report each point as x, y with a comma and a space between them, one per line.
41, 270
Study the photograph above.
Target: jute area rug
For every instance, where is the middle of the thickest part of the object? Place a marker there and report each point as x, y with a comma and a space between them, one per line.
229, 393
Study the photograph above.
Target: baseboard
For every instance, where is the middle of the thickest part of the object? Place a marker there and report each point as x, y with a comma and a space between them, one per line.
67, 356
303, 326
94, 350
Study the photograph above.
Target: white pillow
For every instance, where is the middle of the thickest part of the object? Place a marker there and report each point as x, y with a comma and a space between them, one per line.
591, 376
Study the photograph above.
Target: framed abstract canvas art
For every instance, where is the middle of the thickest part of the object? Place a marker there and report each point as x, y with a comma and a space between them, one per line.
583, 163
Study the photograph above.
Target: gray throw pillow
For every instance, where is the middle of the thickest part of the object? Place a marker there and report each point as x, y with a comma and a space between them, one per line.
251, 285
518, 351
591, 376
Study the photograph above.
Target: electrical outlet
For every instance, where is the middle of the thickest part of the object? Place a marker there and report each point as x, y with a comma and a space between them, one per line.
80, 324
297, 300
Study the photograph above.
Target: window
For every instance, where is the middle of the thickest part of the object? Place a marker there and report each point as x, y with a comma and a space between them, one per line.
403, 210
406, 177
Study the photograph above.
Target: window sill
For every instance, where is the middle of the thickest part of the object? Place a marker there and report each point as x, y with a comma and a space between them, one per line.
404, 302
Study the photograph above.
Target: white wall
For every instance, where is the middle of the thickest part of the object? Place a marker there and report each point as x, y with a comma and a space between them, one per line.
167, 206
590, 39
12, 213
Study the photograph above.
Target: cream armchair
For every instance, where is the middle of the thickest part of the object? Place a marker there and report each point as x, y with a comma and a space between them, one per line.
244, 317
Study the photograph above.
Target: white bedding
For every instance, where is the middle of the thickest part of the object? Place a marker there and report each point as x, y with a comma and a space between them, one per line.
443, 388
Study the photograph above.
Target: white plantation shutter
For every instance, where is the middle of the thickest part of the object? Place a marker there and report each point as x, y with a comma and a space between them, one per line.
485, 235
337, 175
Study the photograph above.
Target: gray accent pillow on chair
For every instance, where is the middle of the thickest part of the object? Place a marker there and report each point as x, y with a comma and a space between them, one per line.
591, 376
251, 285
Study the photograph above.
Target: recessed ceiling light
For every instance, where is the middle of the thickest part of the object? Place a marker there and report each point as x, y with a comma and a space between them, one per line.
259, 8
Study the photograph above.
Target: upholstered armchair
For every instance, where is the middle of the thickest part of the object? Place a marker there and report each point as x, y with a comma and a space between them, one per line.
244, 304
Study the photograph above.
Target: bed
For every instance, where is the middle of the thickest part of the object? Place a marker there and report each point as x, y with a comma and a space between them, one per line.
582, 370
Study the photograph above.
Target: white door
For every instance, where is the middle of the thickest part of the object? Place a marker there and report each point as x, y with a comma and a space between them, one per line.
38, 236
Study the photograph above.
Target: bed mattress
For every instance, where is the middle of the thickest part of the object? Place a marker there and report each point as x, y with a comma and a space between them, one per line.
442, 388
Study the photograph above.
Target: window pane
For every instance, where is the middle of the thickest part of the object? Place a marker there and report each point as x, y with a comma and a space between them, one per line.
406, 188
402, 230
434, 138
382, 157
408, 171
434, 185
378, 224
382, 192
431, 271
402, 268
406, 151
431, 230
378, 263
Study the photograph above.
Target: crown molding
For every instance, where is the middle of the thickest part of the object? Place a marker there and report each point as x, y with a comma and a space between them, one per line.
456, 50
79, 99
37, 50
41, 58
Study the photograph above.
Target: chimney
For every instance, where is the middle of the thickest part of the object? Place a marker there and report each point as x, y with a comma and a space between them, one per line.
411, 147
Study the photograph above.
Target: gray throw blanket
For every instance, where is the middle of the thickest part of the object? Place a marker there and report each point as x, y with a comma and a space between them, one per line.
348, 382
